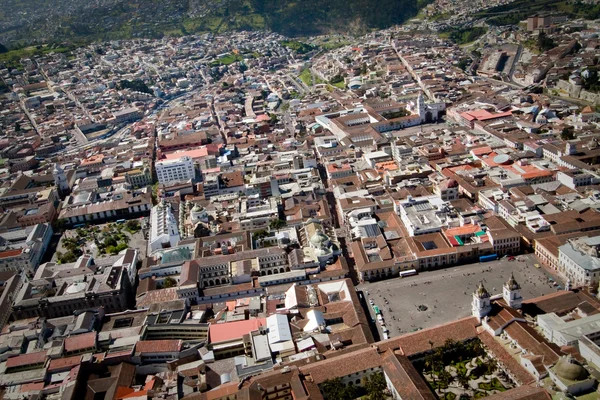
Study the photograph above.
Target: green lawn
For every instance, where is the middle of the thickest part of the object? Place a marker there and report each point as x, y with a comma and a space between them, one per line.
493, 385
227, 60
13, 56
339, 85
306, 77
334, 44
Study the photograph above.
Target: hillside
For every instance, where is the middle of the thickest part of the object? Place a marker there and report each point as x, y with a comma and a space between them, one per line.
24, 22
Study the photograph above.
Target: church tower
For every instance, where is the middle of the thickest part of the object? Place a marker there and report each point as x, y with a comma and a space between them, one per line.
421, 107
512, 293
481, 302
60, 179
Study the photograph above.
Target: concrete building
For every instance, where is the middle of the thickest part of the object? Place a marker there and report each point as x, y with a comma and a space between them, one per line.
579, 261
176, 170
423, 215
58, 290
24, 249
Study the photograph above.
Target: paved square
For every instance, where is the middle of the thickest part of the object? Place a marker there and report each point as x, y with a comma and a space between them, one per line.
448, 296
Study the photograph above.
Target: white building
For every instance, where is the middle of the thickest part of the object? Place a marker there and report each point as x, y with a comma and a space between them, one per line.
579, 261
163, 228
424, 215
567, 330
176, 170
23, 249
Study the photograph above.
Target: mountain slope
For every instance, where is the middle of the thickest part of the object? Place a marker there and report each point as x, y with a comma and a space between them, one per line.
26, 21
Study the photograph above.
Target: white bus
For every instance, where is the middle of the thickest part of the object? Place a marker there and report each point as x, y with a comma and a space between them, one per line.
410, 272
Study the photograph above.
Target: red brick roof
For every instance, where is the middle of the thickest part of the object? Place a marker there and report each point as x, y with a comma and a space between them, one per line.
406, 379
418, 342
158, 346
533, 342
64, 363
31, 387
25, 359
80, 342
522, 393
499, 352
10, 253
343, 365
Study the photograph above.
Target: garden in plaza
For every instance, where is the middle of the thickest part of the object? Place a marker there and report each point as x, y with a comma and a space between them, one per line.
462, 371
108, 239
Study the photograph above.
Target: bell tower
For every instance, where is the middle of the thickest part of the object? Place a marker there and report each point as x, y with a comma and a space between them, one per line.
512, 293
60, 179
481, 302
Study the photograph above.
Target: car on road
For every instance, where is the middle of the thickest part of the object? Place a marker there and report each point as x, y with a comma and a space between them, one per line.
371, 302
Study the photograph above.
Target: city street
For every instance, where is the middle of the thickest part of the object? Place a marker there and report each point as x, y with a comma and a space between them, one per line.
447, 294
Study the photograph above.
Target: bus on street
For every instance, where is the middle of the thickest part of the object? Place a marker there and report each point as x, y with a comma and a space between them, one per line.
410, 272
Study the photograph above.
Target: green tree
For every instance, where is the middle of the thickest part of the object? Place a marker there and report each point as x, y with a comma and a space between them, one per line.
334, 389
544, 43
462, 378
69, 256
490, 366
568, 133
136, 85
375, 385
591, 80
110, 241
169, 282
260, 234
133, 225
277, 224
17, 127
337, 79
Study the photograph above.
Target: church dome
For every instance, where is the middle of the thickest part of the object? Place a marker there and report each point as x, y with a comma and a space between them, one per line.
481, 291
512, 284
319, 239
570, 369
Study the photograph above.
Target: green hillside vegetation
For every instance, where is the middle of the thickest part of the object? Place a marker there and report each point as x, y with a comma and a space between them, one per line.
11, 58
519, 10
465, 35
227, 60
121, 19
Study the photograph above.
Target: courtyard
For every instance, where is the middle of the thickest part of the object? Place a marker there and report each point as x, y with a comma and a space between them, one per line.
100, 240
437, 297
462, 371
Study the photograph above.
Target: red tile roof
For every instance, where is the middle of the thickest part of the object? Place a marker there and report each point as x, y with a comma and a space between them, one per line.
10, 253
64, 363
504, 357
80, 342
234, 330
418, 342
31, 387
158, 346
25, 359
522, 393
346, 364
